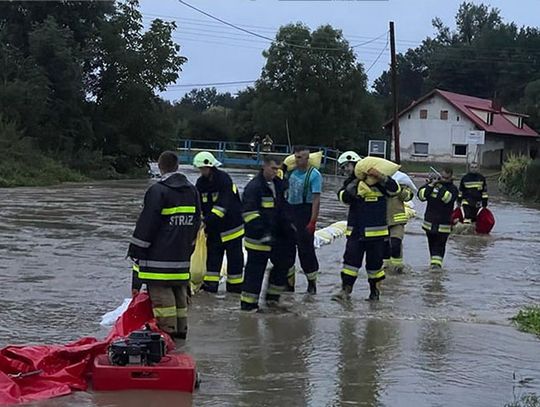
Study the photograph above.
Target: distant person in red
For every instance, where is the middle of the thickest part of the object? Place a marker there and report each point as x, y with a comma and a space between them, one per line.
472, 194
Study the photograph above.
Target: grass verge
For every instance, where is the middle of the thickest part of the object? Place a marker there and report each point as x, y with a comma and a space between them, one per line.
527, 400
528, 319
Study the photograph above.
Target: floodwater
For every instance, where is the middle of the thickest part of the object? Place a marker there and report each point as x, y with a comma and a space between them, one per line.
434, 339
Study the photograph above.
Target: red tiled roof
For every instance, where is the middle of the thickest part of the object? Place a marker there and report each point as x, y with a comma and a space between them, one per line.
464, 103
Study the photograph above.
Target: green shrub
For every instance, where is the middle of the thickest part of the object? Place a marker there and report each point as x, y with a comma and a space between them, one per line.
513, 173
23, 164
527, 400
528, 319
532, 180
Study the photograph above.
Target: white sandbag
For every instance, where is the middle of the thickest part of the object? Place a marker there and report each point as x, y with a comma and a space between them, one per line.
330, 233
403, 179
110, 318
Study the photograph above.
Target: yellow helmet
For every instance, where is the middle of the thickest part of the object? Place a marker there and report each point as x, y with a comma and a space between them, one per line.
205, 159
348, 156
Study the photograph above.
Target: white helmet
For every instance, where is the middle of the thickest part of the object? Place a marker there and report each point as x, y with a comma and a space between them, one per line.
205, 159
348, 156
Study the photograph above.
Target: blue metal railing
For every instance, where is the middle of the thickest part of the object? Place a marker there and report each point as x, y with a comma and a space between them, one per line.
242, 154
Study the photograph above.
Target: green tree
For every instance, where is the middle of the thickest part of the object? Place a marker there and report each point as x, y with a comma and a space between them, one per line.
313, 81
200, 100
23, 87
66, 128
133, 123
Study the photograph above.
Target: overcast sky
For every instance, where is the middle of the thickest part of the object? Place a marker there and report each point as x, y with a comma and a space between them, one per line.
217, 53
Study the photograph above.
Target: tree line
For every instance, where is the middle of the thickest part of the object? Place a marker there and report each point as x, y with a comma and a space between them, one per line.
80, 83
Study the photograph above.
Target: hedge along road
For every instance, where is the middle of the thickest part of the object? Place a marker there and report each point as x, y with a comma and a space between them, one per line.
435, 338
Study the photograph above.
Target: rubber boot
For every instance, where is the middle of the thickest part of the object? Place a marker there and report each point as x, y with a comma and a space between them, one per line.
374, 289
210, 287
180, 335
290, 284
312, 287
343, 295
274, 305
234, 288
244, 306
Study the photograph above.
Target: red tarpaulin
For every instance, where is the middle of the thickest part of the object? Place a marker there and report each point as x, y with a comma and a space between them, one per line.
485, 221
47, 371
457, 216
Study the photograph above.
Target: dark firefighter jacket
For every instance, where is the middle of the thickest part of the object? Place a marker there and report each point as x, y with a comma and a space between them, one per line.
267, 217
440, 199
221, 206
367, 212
473, 190
164, 236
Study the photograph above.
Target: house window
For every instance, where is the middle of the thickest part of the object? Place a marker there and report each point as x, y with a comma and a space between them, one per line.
460, 150
457, 118
421, 149
520, 122
423, 113
444, 114
489, 118
409, 116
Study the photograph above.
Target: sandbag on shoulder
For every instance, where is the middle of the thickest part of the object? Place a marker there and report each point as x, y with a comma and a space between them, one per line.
385, 167
315, 160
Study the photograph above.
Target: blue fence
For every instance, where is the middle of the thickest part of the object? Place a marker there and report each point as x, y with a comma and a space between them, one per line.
244, 154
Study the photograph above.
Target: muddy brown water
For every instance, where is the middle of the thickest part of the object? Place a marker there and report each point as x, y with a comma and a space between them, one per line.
434, 339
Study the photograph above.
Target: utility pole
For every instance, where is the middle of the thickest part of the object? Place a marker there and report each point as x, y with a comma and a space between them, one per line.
288, 135
393, 68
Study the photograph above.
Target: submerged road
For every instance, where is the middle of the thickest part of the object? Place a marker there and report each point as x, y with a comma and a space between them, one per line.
434, 339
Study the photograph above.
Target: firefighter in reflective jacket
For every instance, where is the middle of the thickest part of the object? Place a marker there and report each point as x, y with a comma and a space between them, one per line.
269, 234
397, 219
366, 230
224, 226
472, 194
163, 242
441, 195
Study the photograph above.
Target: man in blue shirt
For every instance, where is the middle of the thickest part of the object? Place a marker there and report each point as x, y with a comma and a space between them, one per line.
305, 187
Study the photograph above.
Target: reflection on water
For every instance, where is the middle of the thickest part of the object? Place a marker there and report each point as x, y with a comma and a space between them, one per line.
435, 339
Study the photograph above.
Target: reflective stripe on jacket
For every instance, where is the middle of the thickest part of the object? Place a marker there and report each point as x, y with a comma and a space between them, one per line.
396, 214
163, 240
367, 212
266, 217
221, 206
473, 190
440, 199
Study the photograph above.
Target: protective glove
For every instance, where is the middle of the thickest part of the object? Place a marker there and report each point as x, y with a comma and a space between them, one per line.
311, 226
352, 187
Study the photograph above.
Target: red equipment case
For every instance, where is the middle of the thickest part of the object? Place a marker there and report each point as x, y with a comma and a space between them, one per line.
175, 372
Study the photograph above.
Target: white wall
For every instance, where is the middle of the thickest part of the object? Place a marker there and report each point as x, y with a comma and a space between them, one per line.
440, 134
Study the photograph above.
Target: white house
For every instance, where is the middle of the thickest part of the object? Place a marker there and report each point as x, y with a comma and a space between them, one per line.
434, 129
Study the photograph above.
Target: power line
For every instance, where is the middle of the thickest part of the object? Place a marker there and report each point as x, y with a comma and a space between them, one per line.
270, 30
236, 27
195, 85
378, 57
181, 36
